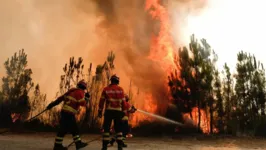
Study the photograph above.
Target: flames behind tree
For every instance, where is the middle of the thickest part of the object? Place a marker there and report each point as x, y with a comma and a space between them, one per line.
140, 33
163, 51
205, 120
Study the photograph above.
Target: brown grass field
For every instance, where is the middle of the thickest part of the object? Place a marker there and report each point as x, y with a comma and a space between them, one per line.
44, 141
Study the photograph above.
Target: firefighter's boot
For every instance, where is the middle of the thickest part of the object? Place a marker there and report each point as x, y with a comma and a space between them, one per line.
124, 145
112, 141
59, 147
105, 144
119, 144
80, 145
120, 147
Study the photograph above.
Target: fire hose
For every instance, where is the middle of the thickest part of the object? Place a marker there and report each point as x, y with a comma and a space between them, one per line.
36, 115
187, 123
32, 118
147, 113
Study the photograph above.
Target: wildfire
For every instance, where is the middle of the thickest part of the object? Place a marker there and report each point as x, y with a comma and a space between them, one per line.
162, 50
149, 106
204, 120
162, 46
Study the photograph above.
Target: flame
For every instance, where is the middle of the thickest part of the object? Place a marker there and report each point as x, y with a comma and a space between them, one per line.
162, 46
149, 106
204, 120
162, 51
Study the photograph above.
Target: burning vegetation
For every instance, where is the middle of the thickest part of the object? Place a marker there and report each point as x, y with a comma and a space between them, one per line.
158, 70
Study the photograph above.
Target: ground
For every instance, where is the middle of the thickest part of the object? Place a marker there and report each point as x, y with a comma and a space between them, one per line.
44, 141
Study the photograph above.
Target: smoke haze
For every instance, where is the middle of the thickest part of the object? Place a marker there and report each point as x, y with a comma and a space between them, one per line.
52, 31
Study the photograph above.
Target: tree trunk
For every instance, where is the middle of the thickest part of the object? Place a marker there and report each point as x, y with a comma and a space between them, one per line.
211, 120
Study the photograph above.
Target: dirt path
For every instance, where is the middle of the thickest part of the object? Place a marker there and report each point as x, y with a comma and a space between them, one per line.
44, 141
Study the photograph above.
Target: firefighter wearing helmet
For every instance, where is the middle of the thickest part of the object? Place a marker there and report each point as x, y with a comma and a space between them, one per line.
113, 99
129, 109
73, 99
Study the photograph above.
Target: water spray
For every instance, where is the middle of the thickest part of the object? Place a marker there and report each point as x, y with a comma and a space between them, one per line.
161, 118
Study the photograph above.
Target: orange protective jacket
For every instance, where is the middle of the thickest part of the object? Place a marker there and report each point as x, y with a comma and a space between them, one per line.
73, 99
128, 108
113, 97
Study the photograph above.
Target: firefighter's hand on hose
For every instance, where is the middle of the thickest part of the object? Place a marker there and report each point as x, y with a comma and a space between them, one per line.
56, 102
87, 97
100, 114
133, 109
50, 106
125, 118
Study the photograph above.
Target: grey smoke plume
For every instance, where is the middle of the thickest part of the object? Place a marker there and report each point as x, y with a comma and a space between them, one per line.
52, 31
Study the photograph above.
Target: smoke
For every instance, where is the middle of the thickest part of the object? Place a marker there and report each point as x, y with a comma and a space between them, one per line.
127, 27
52, 31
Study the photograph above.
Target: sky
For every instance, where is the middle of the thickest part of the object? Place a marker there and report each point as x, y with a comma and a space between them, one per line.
230, 26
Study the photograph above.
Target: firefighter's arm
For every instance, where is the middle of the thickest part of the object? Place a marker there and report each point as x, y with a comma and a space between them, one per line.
101, 104
56, 102
82, 99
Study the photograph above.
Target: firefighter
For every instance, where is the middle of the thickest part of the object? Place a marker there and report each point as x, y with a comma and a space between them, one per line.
72, 99
125, 127
114, 100
130, 110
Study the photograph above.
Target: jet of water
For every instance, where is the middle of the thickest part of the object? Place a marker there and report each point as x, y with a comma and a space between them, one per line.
161, 118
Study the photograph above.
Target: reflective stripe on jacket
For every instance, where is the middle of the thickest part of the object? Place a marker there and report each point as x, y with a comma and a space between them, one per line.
73, 99
113, 98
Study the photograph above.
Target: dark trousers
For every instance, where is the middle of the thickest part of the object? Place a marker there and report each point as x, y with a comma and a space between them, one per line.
67, 125
109, 116
125, 128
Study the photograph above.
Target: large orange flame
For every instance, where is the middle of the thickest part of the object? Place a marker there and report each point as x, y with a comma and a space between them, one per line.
149, 106
162, 45
162, 51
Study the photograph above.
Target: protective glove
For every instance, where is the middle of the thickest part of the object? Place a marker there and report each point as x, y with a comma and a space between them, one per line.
100, 113
87, 96
133, 109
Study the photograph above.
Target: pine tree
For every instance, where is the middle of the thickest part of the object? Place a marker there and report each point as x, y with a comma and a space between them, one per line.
17, 84
219, 101
250, 90
228, 94
193, 86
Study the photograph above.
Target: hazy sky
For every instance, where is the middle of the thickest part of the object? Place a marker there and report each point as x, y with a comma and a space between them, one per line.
52, 31
230, 26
